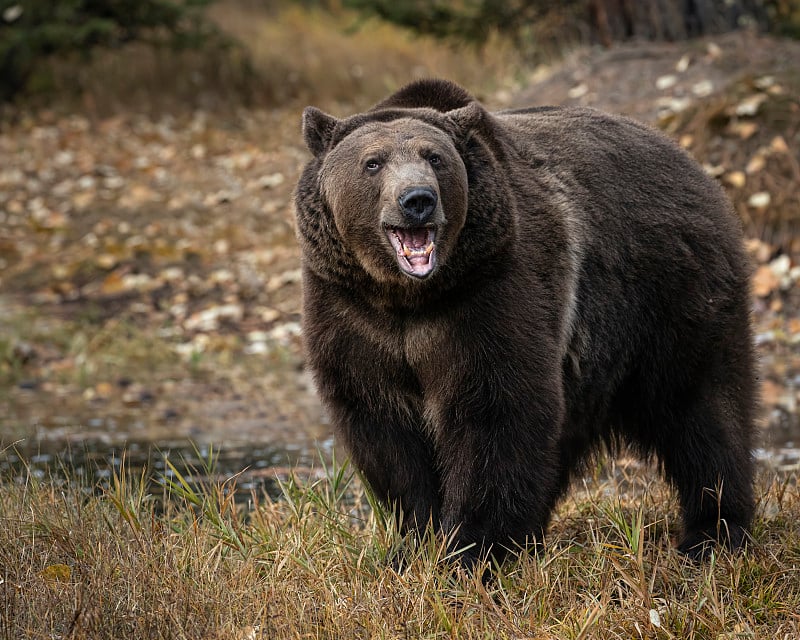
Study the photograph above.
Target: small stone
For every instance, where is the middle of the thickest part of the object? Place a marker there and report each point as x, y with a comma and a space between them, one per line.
703, 88
666, 82
760, 200
713, 51
578, 91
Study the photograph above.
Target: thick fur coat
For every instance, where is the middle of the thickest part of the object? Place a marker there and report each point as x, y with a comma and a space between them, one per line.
488, 297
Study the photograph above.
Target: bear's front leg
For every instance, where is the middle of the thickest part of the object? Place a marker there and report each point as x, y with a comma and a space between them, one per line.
393, 454
374, 401
496, 432
374, 404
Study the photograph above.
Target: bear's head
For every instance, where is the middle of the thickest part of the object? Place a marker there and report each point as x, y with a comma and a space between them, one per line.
397, 189
406, 195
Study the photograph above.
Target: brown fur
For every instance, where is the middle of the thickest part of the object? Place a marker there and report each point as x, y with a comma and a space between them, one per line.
589, 286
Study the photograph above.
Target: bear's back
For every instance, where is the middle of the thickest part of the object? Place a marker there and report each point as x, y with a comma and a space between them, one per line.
622, 168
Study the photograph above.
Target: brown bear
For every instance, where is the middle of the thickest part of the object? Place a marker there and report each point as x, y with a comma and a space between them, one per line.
490, 297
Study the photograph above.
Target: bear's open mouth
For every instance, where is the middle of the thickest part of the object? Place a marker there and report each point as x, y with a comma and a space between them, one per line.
415, 248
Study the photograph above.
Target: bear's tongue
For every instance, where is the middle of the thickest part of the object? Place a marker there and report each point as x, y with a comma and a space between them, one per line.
415, 249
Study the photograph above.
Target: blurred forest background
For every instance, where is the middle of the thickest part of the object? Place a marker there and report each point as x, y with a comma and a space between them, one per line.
149, 277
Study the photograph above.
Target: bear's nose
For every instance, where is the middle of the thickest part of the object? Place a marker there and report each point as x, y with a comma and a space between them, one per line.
418, 204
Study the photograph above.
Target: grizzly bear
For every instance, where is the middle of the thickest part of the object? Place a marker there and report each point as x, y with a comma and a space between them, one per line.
491, 297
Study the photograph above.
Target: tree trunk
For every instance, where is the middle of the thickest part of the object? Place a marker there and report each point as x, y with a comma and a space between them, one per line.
617, 20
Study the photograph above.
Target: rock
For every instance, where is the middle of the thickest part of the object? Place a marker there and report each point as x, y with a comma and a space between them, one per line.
666, 82
759, 200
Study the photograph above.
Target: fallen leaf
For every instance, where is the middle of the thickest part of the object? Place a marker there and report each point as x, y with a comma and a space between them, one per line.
759, 249
270, 181
714, 170
756, 164
750, 105
735, 179
764, 82
781, 266
56, 573
743, 129
137, 195
764, 281
104, 389
106, 261
770, 392
778, 145
113, 283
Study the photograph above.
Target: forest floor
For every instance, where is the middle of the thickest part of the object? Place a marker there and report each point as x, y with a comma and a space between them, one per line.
149, 275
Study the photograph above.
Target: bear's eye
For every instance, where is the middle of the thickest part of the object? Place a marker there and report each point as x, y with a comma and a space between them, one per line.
435, 160
372, 165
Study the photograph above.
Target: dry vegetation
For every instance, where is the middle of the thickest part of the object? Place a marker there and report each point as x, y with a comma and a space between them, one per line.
119, 562
281, 57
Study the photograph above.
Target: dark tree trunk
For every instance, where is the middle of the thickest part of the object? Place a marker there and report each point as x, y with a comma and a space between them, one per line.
617, 20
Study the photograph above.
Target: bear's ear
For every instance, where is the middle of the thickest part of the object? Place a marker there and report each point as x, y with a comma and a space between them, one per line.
467, 119
318, 128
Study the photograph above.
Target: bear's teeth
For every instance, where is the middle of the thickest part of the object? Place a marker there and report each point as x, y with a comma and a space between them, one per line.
418, 253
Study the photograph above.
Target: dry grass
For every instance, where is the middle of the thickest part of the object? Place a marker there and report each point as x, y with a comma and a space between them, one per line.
120, 562
284, 56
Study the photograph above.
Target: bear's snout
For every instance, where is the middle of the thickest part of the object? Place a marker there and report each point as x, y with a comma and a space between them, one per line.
418, 204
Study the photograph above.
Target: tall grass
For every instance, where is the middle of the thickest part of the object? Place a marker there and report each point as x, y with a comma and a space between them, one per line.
190, 562
280, 54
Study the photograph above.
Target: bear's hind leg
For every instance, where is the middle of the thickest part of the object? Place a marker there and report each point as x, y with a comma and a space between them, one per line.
705, 449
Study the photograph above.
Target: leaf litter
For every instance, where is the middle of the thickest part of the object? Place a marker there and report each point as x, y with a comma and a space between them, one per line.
149, 275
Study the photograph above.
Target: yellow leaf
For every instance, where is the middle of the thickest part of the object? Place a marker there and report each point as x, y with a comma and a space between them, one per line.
55, 573
764, 281
755, 165
778, 145
744, 130
736, 179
